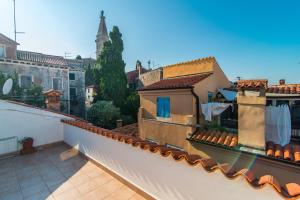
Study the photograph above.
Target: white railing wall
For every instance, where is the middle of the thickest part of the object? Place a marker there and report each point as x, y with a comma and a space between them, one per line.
162, 177
21, 121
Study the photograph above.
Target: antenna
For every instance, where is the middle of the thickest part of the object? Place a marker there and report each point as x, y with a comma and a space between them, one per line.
15, 24
67, 55
7, 86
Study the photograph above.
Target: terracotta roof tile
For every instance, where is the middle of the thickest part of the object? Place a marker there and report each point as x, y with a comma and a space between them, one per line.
288, 152
252, 84
41, 58
131, 129
210, 59
284, 89
289, 190
176, 83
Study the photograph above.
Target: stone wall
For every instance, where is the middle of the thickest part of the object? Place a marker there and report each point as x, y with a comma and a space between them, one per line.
151, 77
41, 75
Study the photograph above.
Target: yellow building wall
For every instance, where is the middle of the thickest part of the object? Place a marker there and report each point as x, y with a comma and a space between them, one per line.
251, 121
212, 83
173, 130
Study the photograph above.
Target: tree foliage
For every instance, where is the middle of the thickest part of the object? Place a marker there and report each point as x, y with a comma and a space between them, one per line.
33, 95
89, 76
110, 76
131, 105
104, 114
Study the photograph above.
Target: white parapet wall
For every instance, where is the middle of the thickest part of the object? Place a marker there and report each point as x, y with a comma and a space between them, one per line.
24, 121
162, 177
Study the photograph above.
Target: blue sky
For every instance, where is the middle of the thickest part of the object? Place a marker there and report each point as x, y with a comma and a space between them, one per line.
251, 39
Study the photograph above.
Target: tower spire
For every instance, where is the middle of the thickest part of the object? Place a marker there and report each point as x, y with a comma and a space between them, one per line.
102, 35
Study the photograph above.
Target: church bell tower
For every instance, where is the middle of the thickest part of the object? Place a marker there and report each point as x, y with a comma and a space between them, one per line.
102, 35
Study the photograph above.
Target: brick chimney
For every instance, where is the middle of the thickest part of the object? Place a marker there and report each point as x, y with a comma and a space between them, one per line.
282, 82
53, 99
138, 66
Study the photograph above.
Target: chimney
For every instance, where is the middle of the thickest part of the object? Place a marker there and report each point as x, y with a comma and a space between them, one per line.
53, 100
282, 82
119, 123
138, 66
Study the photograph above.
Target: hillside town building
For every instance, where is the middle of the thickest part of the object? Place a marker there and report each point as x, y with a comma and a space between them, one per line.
49, 71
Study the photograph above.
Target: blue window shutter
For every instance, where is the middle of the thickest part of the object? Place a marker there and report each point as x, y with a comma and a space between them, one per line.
167, 107
163, 107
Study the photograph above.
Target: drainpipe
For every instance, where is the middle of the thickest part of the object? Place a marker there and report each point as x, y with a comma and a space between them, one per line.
197, 109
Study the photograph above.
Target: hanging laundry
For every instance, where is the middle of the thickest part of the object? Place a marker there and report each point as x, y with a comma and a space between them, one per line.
278, 124
213, 109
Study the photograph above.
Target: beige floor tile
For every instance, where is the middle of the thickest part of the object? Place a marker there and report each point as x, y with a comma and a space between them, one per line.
97, 194
61, 188
68, 195
137, 197
79, 180
122, 193
112, 186
87, 187
103, 178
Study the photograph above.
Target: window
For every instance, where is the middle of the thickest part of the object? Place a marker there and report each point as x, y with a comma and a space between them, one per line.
57, 84
2, 52
72, 76
209, 96
73, 92
295, 114
25, 81
163, 107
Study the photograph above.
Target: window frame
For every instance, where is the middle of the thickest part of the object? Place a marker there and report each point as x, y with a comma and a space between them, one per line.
4, 51
158, 113
74, 76
62, 85
20, 80
75, 91
210, 96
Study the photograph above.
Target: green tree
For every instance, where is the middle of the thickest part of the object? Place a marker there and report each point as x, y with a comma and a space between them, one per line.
110, 76
103, 114
89, 76
34, 96
131, 106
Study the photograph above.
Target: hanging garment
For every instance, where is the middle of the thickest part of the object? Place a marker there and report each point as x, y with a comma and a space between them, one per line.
278, 124
213, 109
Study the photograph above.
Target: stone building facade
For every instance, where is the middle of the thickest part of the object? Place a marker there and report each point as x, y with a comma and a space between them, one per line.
48, 71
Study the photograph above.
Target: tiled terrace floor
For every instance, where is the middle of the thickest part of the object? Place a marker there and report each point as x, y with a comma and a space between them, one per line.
58, 173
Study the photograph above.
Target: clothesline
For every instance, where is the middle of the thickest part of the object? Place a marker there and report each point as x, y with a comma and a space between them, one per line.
213, 109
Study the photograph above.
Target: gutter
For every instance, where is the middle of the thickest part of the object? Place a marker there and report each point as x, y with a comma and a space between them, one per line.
197, 109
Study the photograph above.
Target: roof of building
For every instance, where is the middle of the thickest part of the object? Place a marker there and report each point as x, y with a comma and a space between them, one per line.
7, 40
131, 129
41, 58
256, 84
210, 59
133, 75
289, 190
176, 83
288, 152
284, 89
81, 63
252, 84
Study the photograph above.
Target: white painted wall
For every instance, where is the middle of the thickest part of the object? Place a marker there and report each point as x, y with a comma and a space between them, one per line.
22, 121
162, 178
